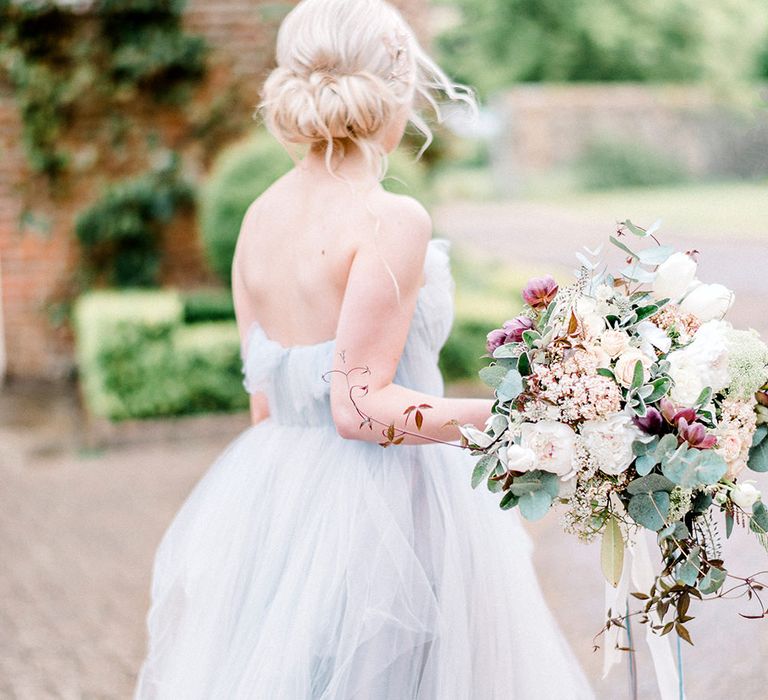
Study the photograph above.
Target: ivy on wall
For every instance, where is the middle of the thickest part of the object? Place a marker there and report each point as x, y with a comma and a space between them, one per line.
61, 59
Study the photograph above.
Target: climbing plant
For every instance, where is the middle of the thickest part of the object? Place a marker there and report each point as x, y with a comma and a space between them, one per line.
90, 56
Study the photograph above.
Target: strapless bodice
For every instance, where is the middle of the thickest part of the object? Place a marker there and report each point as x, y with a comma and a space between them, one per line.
294, 378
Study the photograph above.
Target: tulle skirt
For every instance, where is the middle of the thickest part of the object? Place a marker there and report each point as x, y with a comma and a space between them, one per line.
307, 566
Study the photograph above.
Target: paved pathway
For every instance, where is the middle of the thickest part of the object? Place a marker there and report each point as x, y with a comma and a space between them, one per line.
78, 530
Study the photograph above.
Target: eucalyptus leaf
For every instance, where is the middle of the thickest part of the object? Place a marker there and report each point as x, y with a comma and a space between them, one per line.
649, 510
636, 230
644, 464
689, 468
644, 447
758, 454
494, 486
660, 389
649, 484
622, 247
713, 580
493, 375
688, 572
535, 505
506, 350
485, 465
612, 552
524, 364
511, 386
666, 447
656, 255
759, 521
530, 338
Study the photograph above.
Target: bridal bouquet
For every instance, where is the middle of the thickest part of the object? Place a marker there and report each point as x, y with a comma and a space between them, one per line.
629, 401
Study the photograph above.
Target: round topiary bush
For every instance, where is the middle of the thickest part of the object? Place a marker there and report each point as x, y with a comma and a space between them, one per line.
246, 169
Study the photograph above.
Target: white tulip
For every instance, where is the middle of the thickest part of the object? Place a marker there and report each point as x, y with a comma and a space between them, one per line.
708, 301
674, 277
745, 495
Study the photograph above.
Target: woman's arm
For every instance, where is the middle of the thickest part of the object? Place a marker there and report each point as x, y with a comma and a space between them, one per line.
373, 327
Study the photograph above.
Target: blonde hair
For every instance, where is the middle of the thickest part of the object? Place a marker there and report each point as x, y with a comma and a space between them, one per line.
345, 69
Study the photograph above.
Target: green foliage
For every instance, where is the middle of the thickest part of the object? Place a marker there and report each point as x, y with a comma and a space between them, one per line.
499, 42
612, 164
137, 360
120, 233
58, 59
208, 305
246, 169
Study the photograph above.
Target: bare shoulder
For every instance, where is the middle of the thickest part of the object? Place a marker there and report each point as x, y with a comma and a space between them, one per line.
404, 222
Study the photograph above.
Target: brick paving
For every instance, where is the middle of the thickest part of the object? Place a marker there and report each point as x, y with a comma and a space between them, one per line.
78, 530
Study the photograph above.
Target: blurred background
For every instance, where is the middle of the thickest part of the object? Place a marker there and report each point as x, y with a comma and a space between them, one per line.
128, 156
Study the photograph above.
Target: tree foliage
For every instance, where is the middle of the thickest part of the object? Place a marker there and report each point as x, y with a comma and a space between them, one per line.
499, 42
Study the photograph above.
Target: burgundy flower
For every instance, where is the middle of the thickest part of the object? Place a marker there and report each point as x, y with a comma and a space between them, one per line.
496, 338
674, 415
762, 397
540, 291
516, 327
695, 434
651, 423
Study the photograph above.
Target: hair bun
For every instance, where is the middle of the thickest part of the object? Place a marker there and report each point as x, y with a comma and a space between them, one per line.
326, 105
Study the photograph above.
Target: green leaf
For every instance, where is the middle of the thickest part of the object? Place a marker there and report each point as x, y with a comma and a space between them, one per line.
713, 580
655, 256
759, 521
758, 454
530, 338
535, 505
524, 364
666, 447
535, 480
621, 246
644, 464
688, 572
637, 376
691, 467
612, 552
493, 375
649, 510
506, 350
508, 501
704, 397
728, 524
511, 386
649, 484
660, 389
637, 231
483, 469
605, 372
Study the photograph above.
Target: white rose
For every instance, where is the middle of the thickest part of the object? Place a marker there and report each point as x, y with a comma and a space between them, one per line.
674, 277
708, 301
745, 495
591, 320
653, 337
520, 459
609, 442
625, 366
614, 342
552, 443
475, 436
702, 363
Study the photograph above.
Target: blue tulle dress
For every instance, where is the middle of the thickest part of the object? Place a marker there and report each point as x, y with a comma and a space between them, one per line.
308, 566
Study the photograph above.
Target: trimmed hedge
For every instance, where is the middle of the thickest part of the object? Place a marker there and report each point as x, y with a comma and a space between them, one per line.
138, 360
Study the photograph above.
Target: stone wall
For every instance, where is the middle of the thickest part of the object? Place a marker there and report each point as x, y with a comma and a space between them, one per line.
38, 252
543, 128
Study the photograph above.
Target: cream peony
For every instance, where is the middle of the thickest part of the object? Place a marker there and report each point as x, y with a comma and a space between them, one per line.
703, 363
552, 443
609, 441
625, 366
674, 277
708, 301
591, 320
745, 495
520, 459
614, 342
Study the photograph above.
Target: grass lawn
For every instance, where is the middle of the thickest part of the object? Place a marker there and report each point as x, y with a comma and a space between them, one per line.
735, 209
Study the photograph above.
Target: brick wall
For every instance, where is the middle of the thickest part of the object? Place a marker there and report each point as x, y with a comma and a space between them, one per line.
544, 127
38, 258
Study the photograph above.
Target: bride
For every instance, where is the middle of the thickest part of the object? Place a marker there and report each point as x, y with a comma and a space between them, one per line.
309, 562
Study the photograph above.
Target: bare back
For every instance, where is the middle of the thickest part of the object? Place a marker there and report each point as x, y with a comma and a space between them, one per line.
293, 256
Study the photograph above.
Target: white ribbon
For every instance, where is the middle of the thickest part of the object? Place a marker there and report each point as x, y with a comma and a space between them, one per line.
638, 570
